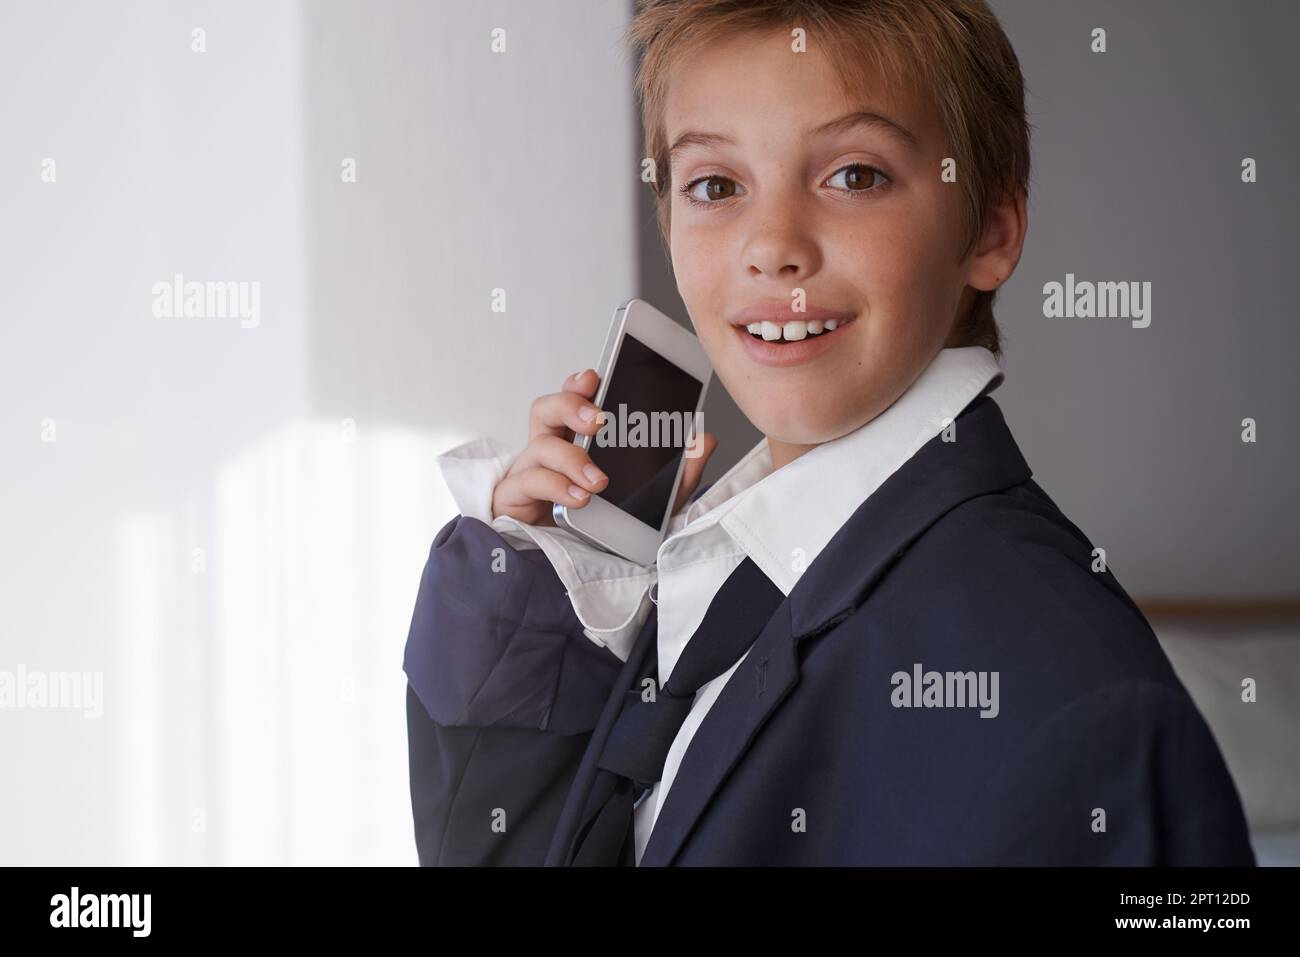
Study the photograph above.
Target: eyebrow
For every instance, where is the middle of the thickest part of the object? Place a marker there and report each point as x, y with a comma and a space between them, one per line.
865, 118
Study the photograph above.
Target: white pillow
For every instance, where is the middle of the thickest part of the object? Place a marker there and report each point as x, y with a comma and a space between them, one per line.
1260, 741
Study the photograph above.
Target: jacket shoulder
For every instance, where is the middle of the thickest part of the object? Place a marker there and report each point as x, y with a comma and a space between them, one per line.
1010, 569
1089, 712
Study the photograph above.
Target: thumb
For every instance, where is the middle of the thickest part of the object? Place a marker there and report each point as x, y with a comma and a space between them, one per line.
694, 468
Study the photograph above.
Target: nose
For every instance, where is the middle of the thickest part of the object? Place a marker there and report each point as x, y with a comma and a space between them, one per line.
781, 246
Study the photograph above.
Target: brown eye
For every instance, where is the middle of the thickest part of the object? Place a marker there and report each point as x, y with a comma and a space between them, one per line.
716, 189
858, 177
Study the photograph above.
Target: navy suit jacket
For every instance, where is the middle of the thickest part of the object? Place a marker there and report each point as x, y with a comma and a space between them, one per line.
959, 563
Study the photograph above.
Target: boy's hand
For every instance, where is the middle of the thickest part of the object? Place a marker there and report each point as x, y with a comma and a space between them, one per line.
552, 470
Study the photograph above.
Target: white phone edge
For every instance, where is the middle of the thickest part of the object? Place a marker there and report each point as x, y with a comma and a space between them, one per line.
601, 523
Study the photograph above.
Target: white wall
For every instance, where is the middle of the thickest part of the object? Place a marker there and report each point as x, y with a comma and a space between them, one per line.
253, 707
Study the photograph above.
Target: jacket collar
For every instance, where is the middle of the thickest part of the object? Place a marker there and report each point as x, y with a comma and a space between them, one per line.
984, 458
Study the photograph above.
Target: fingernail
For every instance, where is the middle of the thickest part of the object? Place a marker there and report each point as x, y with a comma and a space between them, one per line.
588, 412
594, 475
578, 493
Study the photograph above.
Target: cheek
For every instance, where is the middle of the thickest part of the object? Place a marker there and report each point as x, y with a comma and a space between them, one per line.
902, 264
694, 263
689, 249
891, 245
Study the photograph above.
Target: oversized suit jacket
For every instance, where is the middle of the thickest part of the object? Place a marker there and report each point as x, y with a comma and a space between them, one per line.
823, 749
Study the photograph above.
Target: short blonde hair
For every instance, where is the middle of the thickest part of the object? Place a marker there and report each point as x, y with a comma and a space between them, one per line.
953, 50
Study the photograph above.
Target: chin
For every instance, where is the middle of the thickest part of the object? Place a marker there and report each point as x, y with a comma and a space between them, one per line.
796, 430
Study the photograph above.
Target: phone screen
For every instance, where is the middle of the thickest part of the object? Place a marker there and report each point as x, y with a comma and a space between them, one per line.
649, 409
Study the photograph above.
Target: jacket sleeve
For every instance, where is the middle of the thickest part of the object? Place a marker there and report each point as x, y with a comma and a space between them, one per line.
1128, 774
503, 692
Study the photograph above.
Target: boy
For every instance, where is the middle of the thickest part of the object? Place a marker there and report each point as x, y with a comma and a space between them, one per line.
876, 640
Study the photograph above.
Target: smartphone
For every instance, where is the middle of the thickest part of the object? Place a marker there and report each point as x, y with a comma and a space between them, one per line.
654, 375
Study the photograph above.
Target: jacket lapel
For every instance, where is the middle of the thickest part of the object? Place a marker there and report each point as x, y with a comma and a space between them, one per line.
762, 681
983, 459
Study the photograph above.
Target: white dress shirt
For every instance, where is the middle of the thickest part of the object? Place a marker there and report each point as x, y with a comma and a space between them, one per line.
780, 519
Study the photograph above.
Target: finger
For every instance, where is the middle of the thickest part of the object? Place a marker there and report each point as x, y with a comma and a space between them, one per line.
540, 485
552, 452
562, 414
693, 471
584, 383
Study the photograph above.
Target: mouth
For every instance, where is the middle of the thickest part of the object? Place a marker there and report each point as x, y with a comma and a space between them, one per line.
791, 341
793, 330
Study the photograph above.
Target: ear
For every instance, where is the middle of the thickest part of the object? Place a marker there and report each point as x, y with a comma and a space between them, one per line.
998, 252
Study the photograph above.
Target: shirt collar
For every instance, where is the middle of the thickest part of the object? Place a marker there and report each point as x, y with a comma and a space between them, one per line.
782, 519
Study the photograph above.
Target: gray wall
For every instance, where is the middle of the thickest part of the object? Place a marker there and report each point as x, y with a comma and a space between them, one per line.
1137, 176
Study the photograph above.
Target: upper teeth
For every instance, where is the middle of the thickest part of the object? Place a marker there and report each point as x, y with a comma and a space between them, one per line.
793, 330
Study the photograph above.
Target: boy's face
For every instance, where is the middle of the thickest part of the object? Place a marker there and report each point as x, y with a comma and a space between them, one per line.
879, 251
